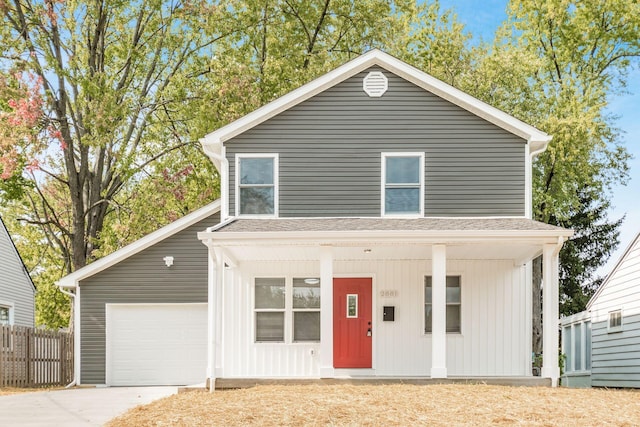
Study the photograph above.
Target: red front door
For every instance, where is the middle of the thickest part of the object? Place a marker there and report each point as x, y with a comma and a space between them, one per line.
352, 331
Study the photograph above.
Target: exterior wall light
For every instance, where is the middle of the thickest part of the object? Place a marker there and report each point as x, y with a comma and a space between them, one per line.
168, 260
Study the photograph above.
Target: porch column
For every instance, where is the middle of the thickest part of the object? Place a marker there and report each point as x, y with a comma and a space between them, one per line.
214, 273
438, 311
550, 312
326, 312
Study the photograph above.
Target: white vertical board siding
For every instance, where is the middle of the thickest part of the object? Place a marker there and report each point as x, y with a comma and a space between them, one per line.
615, 359
242, 356
495, 331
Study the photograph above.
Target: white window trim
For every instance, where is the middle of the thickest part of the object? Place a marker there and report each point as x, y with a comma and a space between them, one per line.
383, 177
613, 329
288, 310
569, 347
11, 307
276, 183
424, 318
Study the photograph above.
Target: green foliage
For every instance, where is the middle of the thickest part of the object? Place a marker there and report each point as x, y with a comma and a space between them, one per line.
594, 240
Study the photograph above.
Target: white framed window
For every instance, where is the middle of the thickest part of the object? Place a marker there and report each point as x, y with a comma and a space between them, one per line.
576, 346
453, 301
402, 184
306, 309
256, 184
269, 304
287, 310
6, 313
615, 321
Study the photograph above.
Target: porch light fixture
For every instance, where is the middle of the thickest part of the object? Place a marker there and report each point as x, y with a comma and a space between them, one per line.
168, 260
367, 251
312, 281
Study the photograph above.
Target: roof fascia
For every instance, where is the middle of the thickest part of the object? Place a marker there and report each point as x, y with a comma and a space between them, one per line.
25, 270
426, 236
538, 140
595, 296
72, 280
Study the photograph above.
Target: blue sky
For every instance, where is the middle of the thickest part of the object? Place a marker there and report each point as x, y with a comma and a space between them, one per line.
482, 19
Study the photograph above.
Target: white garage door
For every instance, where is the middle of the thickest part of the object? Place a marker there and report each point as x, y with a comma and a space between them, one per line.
156, 344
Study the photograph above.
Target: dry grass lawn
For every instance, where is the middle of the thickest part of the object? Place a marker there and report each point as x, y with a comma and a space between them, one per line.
398, 404
4, 391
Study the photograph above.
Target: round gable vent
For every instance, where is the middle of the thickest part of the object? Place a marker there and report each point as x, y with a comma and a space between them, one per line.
375, 84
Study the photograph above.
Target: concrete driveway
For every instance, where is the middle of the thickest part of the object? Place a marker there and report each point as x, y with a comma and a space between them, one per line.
75, 407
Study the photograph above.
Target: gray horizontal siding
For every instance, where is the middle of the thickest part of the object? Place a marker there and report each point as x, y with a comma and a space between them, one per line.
142, 278
15, 285
616, 356
329, 153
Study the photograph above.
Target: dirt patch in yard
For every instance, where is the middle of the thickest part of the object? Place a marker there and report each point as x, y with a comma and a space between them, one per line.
398, 404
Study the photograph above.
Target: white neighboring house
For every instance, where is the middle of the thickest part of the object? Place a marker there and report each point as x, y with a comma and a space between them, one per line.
602, 343
17, 291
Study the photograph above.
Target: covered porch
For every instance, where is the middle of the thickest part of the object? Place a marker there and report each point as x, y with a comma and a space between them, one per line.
408, 262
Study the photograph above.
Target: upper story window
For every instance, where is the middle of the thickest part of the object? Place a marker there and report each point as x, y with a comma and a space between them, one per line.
402, 184
257, 184
615, 321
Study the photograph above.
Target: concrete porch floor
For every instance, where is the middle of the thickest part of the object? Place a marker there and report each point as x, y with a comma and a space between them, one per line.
232, 383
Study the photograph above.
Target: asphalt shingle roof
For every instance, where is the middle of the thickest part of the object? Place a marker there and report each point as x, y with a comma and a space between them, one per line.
242, 225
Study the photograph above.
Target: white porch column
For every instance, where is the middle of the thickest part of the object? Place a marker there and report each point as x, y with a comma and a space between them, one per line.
214, 272
550, 312
439, 311
326, 312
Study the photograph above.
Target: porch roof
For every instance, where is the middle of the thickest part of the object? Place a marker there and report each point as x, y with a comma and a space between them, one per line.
280, 225
520, 239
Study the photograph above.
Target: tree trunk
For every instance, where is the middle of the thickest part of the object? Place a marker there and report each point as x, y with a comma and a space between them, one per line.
537, 305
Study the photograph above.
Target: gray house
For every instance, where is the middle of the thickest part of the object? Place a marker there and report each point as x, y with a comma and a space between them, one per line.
602, 343
17, 291
375, 222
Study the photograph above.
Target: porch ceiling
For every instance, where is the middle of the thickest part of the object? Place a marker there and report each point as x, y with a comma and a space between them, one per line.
519, 253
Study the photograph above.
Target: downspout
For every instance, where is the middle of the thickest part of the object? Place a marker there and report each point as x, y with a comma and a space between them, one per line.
73, 298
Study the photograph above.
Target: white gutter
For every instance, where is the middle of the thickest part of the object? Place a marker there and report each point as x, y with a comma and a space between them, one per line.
215, 151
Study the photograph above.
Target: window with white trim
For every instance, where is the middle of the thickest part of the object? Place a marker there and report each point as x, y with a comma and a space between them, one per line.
576, 346
306, 309
287, 310
615, 321
256, 184
402, 184
453, 301
269, 309
5, 315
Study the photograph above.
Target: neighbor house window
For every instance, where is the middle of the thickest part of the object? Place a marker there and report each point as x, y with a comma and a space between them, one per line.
287, 310
615, 321
576, 345
452, 301
256, 184
4, 315
402, 183
270, 309
306, 309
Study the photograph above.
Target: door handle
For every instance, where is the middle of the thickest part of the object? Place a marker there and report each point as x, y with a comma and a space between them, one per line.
369, 332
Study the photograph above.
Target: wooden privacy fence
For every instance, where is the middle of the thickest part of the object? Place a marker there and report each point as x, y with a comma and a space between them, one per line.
32, 357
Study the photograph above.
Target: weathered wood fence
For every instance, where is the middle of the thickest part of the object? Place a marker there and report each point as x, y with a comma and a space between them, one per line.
31, 357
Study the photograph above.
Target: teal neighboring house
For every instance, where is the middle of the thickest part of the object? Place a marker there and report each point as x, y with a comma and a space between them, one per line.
602, 343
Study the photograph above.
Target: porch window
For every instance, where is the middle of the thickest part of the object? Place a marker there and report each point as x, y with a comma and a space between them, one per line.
256, 184
453, 305
270, 309
306, 309
402, 183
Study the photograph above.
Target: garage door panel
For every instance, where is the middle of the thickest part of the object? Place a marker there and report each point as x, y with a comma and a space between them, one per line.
163, 344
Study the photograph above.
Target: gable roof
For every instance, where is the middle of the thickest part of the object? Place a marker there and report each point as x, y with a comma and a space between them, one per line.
538, 140
24, 267
634, 242
72, 280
